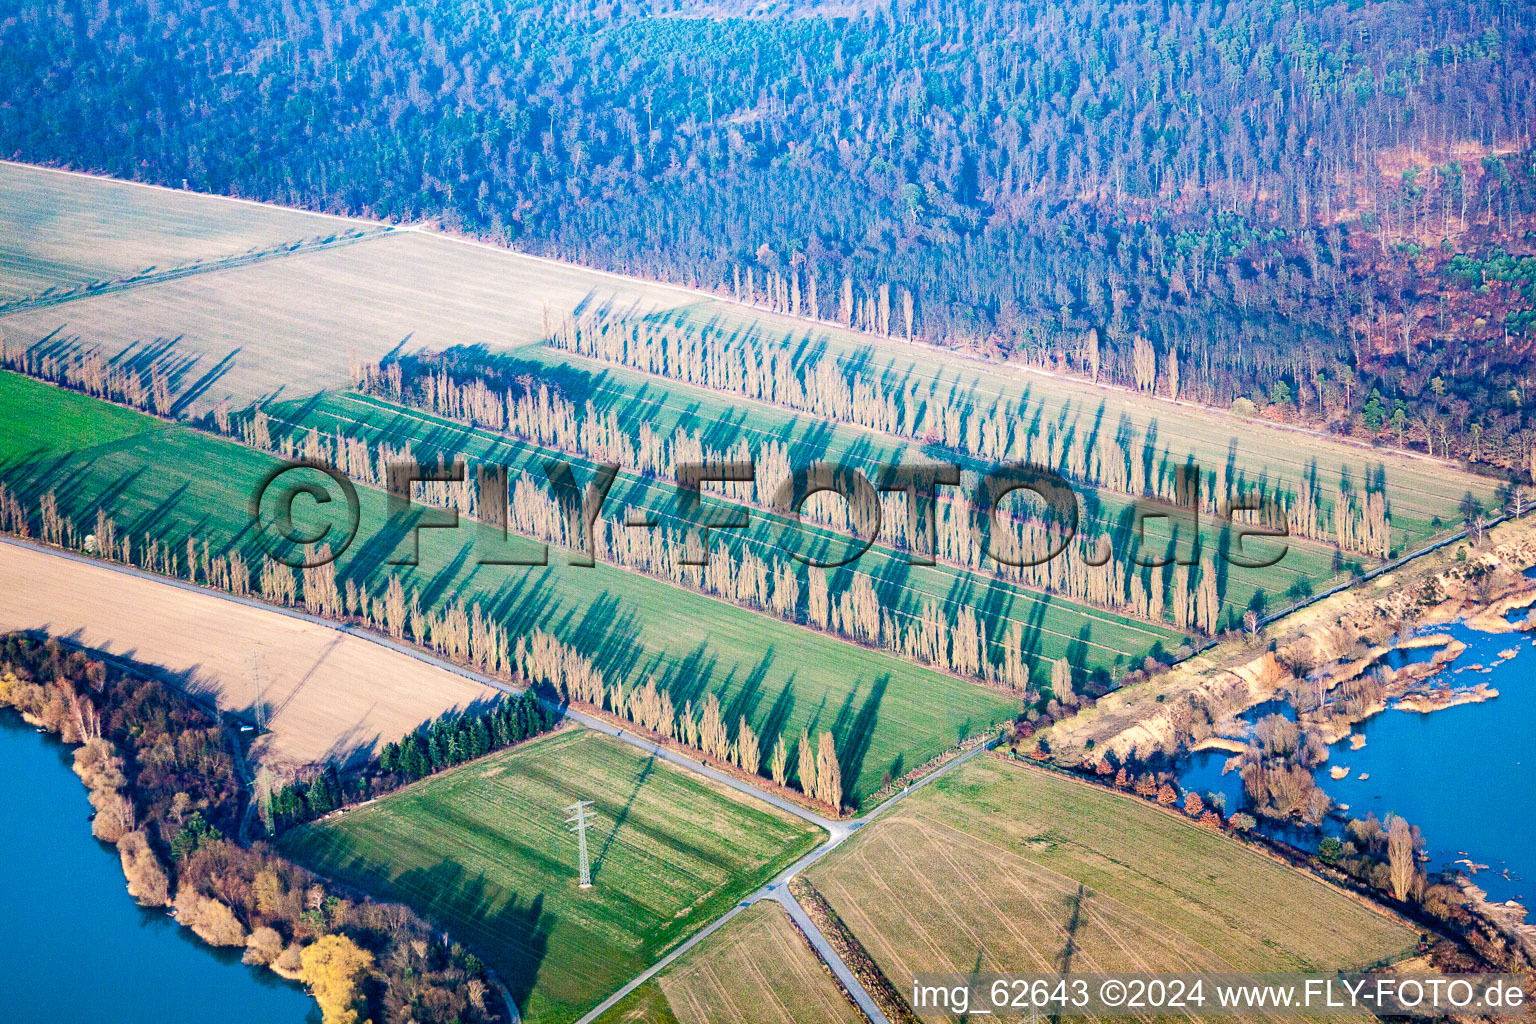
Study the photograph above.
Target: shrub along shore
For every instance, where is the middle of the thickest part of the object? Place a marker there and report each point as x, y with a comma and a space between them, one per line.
164, 783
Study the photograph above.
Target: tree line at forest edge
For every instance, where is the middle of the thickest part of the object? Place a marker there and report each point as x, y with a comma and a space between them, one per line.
165, 791
1322, 209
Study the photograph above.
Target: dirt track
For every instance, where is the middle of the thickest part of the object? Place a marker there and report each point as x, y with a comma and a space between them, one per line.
328, 694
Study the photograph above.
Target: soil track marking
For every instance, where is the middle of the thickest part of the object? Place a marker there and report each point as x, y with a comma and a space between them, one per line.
225, 264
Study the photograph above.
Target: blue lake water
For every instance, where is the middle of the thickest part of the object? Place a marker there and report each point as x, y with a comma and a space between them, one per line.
1202, 770
1463, 775
74, 948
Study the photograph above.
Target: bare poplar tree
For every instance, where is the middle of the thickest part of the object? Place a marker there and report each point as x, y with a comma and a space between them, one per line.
1400, 857
778, 762
829, 775
807, 765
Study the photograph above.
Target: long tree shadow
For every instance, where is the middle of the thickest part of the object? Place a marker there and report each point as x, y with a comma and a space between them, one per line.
620, 818
860, 733
778, 713
190, 393
685, 680
1074, 923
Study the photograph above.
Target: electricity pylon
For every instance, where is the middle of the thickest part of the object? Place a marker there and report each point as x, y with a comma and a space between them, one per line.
260, 708
579, 820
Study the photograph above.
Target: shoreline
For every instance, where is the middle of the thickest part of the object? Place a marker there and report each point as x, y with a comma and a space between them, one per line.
1329, 657
70, 699
66, 749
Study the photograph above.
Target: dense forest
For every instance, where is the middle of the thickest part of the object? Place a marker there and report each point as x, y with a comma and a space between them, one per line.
1323, 208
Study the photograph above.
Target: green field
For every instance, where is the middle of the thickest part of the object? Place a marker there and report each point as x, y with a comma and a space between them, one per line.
1001, 868
636, 399
888, 715
1091, 639
484, 851
39, 423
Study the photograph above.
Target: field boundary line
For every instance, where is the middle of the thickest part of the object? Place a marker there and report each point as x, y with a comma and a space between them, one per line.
1108, 496
186, 270
805, 942
856, 338
837, 830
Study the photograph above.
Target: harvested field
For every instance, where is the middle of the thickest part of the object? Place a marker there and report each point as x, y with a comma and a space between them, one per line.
1002, 868
289, 326
329, 695
757, 969
485, 851
169, 482
60, 230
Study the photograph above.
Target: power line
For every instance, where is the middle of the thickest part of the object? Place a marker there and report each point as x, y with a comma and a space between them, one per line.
581, 817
